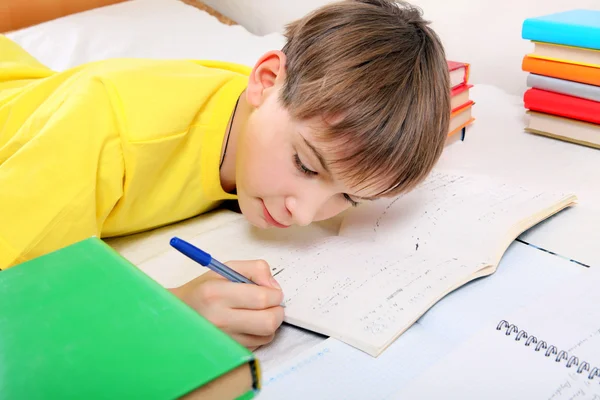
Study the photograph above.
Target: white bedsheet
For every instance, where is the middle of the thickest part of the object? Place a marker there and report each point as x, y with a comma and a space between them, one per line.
142, 28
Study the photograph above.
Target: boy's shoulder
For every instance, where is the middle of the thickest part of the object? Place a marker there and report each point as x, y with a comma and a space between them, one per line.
157, 98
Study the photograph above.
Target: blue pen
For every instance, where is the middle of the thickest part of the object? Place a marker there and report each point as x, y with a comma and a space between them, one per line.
205, 259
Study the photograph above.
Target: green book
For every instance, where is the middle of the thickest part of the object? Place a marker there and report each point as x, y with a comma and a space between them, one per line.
84, 323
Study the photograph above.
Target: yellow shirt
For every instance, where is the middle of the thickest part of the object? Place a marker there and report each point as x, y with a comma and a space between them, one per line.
107, 148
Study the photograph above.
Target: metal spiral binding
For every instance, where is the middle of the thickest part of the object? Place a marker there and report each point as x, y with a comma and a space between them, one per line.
550, 350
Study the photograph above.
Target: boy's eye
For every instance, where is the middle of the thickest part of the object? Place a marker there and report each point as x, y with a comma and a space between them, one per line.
302, 168
349, 200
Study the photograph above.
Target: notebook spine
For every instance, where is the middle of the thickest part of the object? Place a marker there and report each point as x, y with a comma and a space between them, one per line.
551, 351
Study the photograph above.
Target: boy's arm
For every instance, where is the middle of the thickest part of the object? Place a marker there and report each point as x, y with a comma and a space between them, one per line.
61, 172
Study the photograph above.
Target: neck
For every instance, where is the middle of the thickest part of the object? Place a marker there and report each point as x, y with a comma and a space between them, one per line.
229, 147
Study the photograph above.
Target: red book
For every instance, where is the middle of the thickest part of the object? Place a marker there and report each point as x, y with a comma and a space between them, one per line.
459, 73
460, 97
562, 105
460, 89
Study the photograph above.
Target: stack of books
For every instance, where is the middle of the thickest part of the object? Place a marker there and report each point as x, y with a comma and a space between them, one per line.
461, 103
563, 99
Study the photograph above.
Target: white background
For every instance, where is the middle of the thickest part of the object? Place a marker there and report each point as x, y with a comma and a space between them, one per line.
483, 32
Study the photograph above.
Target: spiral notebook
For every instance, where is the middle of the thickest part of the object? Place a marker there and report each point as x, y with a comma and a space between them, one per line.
549, 349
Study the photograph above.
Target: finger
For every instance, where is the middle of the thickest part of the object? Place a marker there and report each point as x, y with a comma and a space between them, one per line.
258, 271
253, 322
252, 342
239, 295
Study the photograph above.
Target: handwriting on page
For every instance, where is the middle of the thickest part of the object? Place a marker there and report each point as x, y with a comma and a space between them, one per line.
361, 291
450, 210
576, 387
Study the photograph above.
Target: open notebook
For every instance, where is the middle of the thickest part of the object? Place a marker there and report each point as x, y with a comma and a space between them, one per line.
393, 259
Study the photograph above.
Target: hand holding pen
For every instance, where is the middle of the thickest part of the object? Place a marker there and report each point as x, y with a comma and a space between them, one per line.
240, 297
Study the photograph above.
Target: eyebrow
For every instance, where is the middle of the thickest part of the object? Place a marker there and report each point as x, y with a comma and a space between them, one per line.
317, 154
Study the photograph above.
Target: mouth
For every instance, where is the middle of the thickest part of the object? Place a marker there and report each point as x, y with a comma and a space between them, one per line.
269, 218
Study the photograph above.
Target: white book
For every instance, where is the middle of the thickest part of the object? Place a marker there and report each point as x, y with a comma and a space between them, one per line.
569, 54
563, 86
565, 129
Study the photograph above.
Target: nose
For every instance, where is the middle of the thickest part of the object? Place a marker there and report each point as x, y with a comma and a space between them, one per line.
303, 209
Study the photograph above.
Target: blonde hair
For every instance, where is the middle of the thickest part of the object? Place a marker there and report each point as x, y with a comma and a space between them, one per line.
377, 75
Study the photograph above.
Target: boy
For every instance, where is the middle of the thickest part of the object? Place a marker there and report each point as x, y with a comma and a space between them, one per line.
354, 107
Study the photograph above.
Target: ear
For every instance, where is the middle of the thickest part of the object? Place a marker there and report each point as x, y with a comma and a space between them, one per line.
266, 77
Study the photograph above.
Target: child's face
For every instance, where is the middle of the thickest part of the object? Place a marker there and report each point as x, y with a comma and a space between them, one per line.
280, 180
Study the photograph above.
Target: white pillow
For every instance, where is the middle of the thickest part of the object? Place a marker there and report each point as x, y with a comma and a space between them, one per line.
265, 16
142, 28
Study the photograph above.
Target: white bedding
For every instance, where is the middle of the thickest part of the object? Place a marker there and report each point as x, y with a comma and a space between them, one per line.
142, 28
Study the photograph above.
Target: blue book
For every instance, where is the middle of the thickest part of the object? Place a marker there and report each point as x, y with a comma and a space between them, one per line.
578, 28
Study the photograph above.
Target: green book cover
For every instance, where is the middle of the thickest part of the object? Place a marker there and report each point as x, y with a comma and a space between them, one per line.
82, 322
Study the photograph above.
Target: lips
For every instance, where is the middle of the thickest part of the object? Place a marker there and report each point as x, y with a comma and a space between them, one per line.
269, 218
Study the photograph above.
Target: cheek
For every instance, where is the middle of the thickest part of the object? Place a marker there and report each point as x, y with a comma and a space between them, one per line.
263, 165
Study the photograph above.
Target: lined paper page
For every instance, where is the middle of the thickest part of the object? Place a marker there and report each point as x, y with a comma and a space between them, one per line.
452, 212
495, 365
361, 293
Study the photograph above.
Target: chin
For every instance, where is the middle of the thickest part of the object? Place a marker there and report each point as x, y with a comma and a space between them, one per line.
252, 211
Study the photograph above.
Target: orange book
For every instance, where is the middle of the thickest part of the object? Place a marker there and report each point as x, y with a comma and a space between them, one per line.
460, 118
556, 69
461, 106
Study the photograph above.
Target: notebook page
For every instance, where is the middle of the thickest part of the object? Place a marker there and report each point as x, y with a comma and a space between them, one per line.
493, 364
363, 294
451, 212
333, 370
